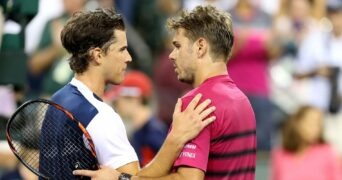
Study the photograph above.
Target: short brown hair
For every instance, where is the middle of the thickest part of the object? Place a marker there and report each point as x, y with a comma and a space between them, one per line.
87, 30
291, 139
207, 22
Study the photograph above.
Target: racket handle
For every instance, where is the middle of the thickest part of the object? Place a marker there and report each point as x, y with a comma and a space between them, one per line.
76, 167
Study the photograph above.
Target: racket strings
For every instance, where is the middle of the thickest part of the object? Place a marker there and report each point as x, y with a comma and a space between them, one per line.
25, 133
49, 142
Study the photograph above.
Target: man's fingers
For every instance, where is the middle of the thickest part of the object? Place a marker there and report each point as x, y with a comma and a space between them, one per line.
202, 105
208, 111
178, 107
208, 121
87, 173
194, 101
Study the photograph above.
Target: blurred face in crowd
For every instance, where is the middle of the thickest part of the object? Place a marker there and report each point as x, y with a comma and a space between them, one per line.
106, 3
183, 57
310, 126
72, 6
116, 58
299, 9
125, 106
336, 21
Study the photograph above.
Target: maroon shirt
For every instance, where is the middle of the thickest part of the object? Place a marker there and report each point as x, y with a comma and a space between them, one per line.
226, 149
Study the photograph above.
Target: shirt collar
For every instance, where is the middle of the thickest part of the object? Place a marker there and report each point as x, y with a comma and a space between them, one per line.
83, 88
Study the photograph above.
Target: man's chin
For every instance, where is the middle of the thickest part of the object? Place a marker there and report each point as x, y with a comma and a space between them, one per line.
114, 82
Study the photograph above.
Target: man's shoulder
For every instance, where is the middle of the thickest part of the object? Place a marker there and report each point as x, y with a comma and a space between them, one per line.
74, 101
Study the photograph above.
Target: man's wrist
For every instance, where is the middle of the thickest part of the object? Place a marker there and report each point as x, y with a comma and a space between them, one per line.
175, 141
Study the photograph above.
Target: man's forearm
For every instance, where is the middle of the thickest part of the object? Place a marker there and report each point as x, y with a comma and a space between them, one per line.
173, 176
163, 161
41, 60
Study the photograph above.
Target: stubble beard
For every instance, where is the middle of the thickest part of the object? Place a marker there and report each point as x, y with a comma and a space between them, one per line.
188, 79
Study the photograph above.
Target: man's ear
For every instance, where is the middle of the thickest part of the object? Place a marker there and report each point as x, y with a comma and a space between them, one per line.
96, 55
202, 47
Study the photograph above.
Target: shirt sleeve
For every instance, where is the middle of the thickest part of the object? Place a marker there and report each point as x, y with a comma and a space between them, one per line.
110, 139
333, 163
196, 152
274, 165
311, 53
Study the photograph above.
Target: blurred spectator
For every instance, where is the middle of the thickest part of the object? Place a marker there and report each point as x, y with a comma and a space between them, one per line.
167, 86
48, 67
7, 101
126, 7
20, 172
131, 100
248, 66
332, 60
292, 24
7, 159
269, 6
2, 22
8, 106
47, 10
303, 154
151, 25
221, 4
318, 53
294, 20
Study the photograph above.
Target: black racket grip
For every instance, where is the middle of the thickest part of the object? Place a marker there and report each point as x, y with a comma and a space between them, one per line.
78, 166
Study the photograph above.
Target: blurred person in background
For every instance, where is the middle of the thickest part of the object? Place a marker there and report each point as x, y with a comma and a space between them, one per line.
253, 50
21, 172
149, 25
167, 86
320, 63
132, 101
319, 52
304, 154
294, 21
47, 10
8, 106
221, 4
48, 68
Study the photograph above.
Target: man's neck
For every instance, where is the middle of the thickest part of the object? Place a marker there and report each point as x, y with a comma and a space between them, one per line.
208, 70
95, 83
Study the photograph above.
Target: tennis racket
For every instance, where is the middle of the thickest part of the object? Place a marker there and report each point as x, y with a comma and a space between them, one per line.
50, 141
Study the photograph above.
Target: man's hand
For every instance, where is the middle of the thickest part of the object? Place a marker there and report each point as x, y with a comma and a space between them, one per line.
188, 124
104, 173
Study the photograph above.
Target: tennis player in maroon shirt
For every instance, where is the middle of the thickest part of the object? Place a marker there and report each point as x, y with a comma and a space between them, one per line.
226, 149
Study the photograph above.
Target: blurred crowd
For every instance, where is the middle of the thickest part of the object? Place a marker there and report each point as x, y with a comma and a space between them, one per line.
287, 59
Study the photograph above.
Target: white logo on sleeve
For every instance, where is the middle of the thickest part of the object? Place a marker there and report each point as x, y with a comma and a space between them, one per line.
190, 146
188, 155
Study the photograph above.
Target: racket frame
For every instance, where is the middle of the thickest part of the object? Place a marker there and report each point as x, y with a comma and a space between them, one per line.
59, 107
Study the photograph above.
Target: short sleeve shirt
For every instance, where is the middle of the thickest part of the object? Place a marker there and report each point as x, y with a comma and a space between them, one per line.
103, 124
226, 147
